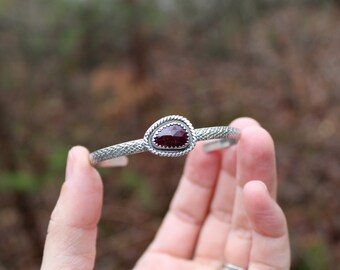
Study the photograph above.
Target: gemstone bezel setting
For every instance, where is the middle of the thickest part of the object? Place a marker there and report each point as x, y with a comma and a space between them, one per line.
170, 151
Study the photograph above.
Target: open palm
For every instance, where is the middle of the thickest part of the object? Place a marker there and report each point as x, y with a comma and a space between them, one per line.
224, 210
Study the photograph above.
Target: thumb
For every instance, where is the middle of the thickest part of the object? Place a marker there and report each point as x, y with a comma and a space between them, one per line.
72, 231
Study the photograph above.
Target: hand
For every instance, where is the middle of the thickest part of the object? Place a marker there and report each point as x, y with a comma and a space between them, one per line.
224, 210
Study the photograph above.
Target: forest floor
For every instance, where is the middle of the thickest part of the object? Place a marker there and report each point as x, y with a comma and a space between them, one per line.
283, 71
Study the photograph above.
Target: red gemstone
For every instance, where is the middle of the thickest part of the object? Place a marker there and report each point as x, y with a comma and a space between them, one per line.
172, 136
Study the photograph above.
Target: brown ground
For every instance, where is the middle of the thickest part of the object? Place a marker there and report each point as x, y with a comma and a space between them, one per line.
282, 70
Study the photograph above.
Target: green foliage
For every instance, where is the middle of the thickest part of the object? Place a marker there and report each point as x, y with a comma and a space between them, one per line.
57, 161
136, 183
100, 28
68, 40
63, 28
219, 21
29, 181
19, 181
316, 256
152, 16
3, 4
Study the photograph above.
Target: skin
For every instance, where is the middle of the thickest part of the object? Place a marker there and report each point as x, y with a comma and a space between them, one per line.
224, 209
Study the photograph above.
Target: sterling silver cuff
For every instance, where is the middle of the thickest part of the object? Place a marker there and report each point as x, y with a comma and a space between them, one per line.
171, 136
230, 266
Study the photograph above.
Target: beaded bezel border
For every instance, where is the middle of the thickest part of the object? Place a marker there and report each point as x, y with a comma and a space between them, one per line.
170, 151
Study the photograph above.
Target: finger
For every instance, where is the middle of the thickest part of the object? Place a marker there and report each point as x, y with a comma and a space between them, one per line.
71, 238
256, 157
270, 245
255, 160
214, 232
178, 233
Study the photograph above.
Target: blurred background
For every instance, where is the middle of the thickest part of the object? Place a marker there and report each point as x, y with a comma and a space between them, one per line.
99, 72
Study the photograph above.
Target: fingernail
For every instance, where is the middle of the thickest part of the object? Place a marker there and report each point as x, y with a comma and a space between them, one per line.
263, 185
69, 165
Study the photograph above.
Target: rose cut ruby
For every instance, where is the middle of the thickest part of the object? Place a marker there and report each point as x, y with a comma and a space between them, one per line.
171, 136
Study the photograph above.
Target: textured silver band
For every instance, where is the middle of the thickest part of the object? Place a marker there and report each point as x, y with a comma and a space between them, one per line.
227, 135
230, 266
